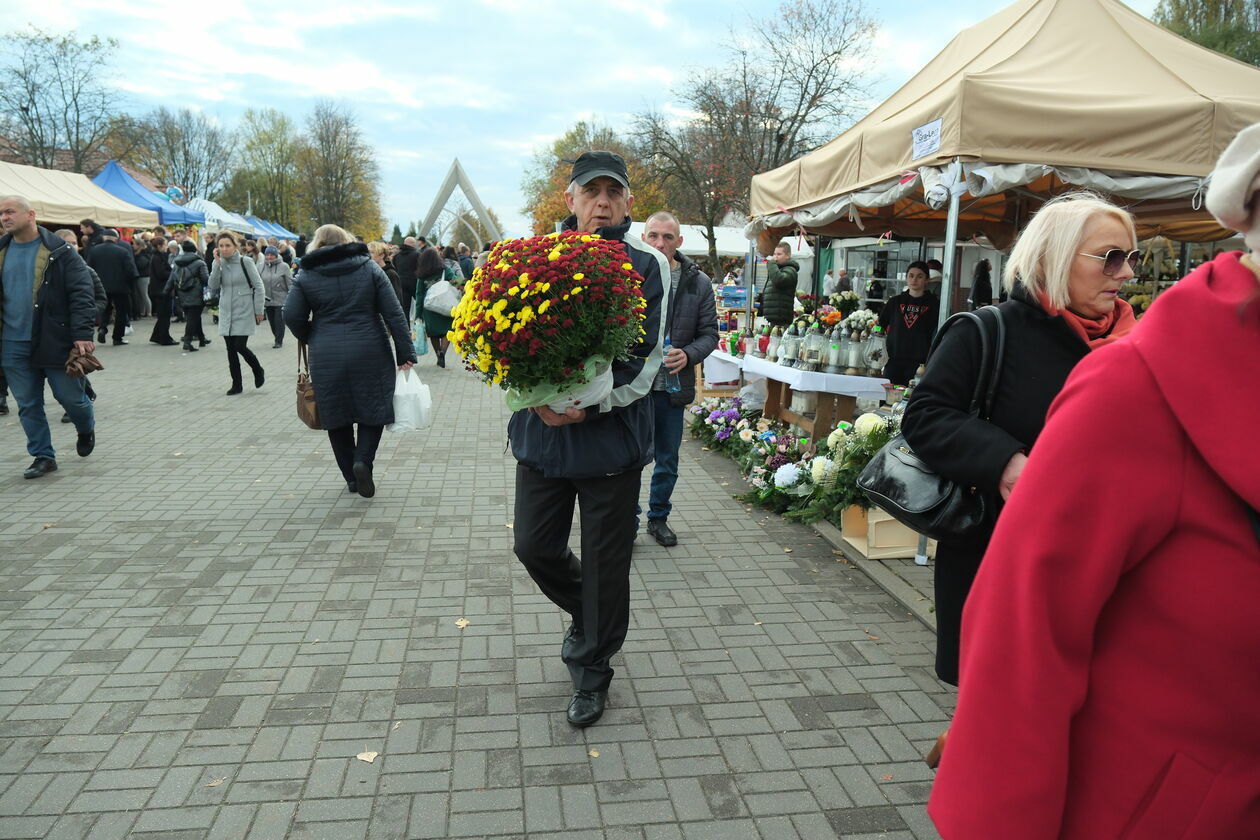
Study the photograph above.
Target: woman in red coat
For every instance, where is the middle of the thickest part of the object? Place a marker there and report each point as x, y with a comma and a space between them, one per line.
1111, 647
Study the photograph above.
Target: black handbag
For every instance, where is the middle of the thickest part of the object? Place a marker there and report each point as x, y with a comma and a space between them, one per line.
898, 482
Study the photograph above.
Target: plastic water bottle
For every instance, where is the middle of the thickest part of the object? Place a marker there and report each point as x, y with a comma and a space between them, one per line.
672, 383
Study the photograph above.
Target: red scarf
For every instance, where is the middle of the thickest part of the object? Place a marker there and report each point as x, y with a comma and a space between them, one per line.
1095, 334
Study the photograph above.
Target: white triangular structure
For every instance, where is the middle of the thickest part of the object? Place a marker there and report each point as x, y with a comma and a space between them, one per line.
455, 176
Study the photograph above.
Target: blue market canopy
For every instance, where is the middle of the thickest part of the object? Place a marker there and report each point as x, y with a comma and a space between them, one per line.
269, 228
117, 182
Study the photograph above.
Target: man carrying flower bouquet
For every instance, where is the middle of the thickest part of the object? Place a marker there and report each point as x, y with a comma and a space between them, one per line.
594, 456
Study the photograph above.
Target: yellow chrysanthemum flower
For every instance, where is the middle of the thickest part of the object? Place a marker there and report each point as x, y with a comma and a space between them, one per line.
579, 276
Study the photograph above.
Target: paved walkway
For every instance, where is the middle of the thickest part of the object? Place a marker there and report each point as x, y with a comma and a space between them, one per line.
202, 632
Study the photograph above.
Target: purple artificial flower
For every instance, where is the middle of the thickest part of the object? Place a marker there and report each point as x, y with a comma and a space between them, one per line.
777, 461
723, 433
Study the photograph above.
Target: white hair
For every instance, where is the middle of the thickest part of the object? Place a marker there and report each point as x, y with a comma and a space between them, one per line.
330, 235
1042, 256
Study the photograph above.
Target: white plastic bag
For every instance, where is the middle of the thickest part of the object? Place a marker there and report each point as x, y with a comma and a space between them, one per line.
441, 298
413, 405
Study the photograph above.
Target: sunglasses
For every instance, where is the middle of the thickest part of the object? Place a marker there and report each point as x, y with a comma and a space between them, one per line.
1113, 259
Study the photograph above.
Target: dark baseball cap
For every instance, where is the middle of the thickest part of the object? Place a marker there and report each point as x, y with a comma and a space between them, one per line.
110, 232
595, 164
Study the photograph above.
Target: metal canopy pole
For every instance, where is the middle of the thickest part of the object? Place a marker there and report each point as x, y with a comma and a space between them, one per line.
947, 264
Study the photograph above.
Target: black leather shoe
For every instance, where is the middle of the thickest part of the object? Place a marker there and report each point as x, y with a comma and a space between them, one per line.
40, 466
204, 342
235, 389
190, 348
352, 487
259, 378
100, 336
275, 346
168, 343
121, 343
4, 406
571, 637
85, 444
65, 418
363, 478
659, 528
586, 707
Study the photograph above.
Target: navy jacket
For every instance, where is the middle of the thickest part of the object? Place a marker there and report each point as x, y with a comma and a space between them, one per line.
65, 301
616, 436
692, 324
115, 264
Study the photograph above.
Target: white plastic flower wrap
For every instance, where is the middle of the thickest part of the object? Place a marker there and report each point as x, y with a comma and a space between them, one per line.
820, 468
868, 423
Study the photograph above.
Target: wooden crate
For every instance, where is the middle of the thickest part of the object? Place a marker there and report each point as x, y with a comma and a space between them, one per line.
882, 538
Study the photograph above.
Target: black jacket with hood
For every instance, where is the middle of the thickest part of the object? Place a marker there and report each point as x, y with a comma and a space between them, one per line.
65, 302
188, 264
616, 436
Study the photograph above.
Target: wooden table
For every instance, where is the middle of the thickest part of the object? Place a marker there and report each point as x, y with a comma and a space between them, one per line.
837, 394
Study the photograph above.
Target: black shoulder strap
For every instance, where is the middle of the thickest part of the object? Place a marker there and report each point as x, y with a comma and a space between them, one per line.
992, 349
977, 398
1254, 515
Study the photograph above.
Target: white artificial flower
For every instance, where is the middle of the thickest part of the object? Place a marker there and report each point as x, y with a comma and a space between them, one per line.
747, 436
835, 440
819, 468
787, 475
868, 423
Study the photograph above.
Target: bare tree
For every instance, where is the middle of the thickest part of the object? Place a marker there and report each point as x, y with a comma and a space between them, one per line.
55, 113
790, 86
185, 148
339, 170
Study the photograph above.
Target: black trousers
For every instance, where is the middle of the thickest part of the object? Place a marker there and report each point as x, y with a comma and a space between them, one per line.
119, 304
192, 324
275, 317
594, 590
236, 348
162, 319
900, 372
346, 450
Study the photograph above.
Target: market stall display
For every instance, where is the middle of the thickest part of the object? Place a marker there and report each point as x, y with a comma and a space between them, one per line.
66, 198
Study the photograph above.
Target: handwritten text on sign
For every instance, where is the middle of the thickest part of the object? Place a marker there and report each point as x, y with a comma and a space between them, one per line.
927, 139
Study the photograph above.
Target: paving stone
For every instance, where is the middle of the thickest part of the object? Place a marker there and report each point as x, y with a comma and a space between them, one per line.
275, 627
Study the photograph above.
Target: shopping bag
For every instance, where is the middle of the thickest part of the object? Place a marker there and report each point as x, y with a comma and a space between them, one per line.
413, 406
441, 298
419, 338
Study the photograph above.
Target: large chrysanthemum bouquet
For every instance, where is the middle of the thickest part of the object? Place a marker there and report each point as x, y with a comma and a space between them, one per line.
546, 316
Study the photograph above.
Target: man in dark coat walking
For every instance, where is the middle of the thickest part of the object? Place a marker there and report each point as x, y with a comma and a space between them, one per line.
46, 310
692, 332
117, 269
593, 457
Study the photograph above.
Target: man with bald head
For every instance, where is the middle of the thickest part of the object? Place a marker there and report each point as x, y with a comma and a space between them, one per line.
47, 310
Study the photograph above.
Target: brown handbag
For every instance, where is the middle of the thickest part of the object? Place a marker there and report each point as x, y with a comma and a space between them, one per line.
307, 410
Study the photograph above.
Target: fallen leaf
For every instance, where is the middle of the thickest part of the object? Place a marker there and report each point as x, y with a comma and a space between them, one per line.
395, 726
837, 553
49, 525
887, 777
872, 636
593, 753
508, 524
758, 623
217, 782
461, 623
369, 757
177, 454
787, 551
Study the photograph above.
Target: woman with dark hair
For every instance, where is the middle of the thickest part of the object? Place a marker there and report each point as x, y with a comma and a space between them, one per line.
981, 286
909, 321
159, 273
242, 303
430, 268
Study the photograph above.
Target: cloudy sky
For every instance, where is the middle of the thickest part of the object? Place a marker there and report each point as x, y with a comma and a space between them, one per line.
487, 81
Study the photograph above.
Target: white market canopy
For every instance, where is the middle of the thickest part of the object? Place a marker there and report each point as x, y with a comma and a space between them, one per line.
67, 198
1040, 97
731, 241
218, 219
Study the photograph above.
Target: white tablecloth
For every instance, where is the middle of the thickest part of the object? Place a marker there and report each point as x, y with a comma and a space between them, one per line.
720, 366
723, 367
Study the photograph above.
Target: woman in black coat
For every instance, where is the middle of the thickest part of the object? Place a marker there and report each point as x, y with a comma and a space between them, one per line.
159, 273
341, 304
1063, 305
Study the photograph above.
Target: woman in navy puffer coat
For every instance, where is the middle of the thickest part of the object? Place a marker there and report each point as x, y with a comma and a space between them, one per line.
340, 304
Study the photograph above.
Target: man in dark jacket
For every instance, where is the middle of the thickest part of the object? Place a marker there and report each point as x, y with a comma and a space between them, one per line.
466, 267
779, 300
594, 456
46, 310
692, 333
93, 232
405, 262
117, 268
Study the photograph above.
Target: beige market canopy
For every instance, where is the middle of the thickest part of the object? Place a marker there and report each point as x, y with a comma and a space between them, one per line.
66, 198
1044, 96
